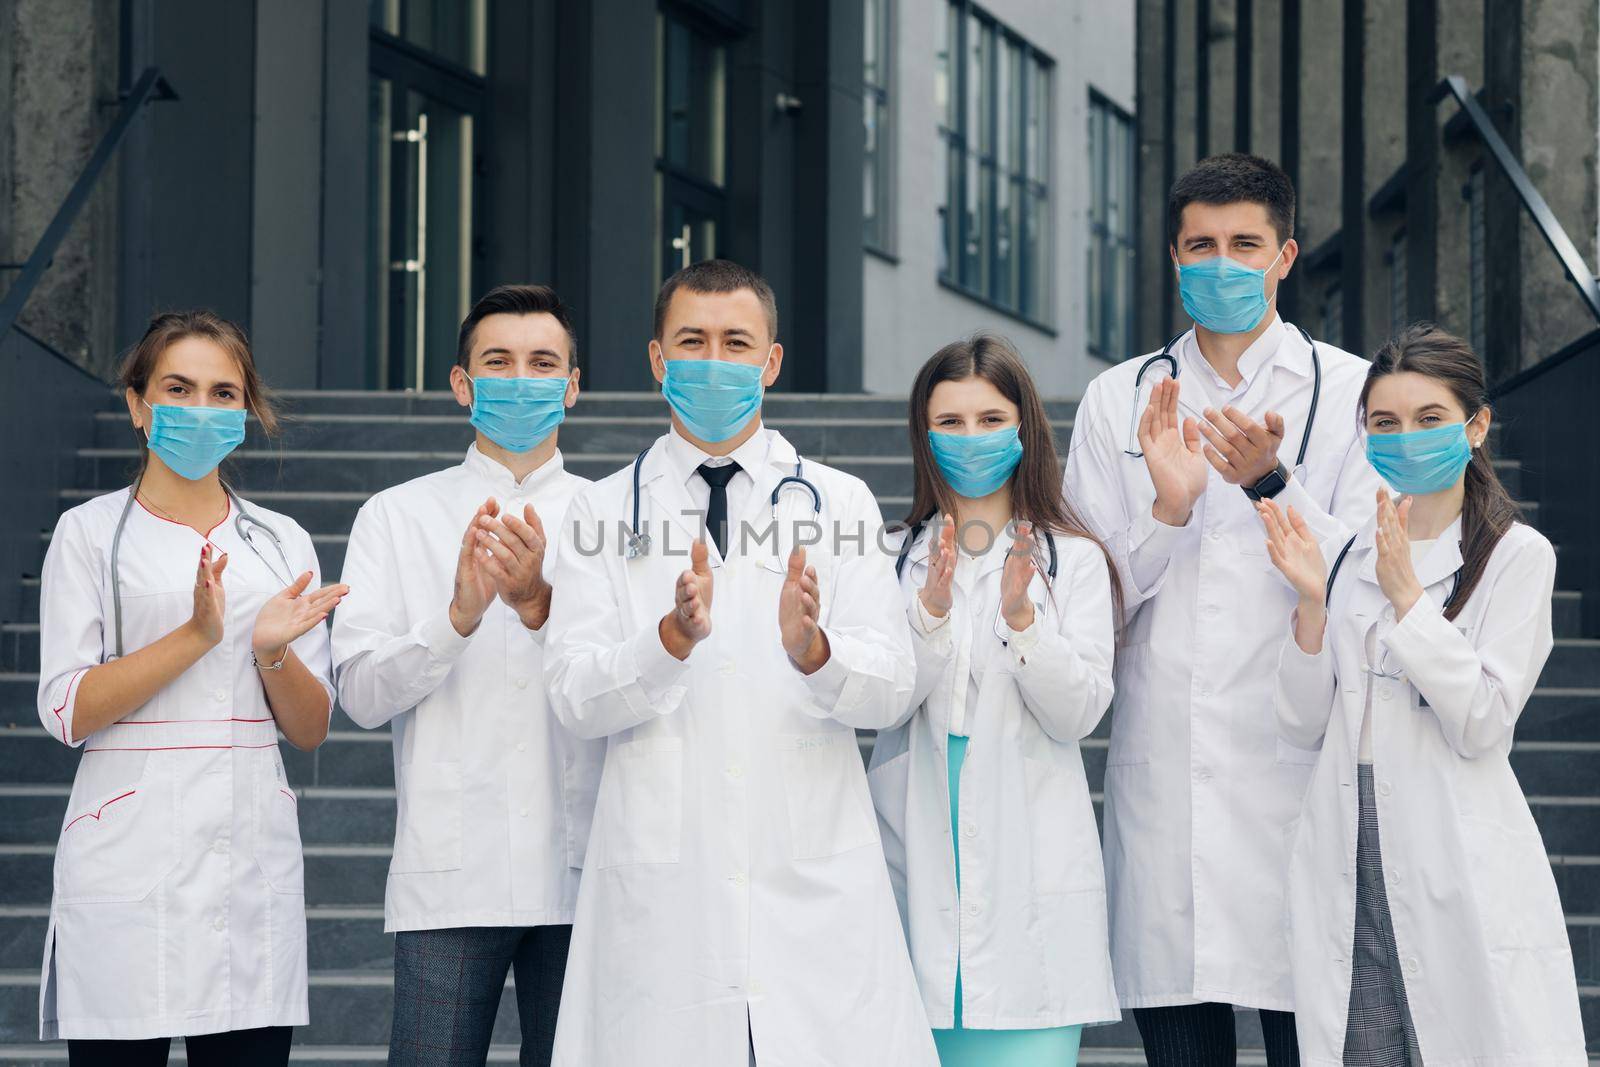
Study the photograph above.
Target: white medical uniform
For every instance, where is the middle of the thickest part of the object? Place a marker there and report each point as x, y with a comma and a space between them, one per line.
179, 902
1198, 787
1478, 928
735, 889
1029, 920
494, 796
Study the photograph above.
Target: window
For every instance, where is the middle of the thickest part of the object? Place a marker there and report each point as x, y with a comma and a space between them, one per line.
1397, 282
426, 102
994, 90
1477, 252
1332, 316
691, 143
878, 175
1111, 239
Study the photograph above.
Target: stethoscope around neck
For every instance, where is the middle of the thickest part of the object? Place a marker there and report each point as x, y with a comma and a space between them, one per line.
1166, 356
639, 541
244, 524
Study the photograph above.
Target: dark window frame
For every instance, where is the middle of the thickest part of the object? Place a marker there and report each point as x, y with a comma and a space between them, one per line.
883, 237
1031, 303
1103, 241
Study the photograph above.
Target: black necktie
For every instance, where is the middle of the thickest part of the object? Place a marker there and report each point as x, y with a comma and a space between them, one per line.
717, 511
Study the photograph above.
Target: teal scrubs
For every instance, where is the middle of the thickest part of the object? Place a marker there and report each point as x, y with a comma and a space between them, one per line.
1054, 1047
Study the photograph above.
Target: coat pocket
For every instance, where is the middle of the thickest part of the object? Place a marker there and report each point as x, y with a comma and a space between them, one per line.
427, 835
580, 777
277, 836
639, 814
1065, 850
824, 783
118, 846
1519, 907
1293, 754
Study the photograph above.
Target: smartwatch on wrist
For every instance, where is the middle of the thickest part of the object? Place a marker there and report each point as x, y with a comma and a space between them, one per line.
1269, 486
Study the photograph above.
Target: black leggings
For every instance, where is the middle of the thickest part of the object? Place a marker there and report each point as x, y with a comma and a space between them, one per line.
1201, 1035
266, 1047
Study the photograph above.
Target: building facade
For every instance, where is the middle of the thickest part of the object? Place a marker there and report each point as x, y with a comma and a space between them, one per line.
1403, 214
345, 177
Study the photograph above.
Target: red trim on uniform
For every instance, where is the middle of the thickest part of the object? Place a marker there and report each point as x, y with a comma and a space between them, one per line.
65, 701
155, 722
95, 815
186, 526
291, 796
176, 748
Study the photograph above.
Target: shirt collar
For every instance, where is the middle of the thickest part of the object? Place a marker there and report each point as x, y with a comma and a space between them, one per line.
1280, 345
500, 477
686, 457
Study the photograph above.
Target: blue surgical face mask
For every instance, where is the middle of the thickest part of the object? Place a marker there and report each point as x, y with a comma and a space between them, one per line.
192, 441
518, 413
1422, 461
713, 397
1224, 295
977, 464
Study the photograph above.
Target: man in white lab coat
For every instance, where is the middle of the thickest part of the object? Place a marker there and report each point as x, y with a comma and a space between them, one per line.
1199, 789
738, 621
446, 643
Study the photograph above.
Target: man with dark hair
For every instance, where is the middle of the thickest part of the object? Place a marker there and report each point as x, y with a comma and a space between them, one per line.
445, 642
1170, 454
737, 625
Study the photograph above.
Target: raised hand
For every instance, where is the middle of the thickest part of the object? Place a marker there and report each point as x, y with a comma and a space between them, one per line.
799, 614
1243, 451
289, 614
1171, 447
474, 585
1295, 552
689, 621
1019, 570
1396, 575
513, 557
210, 603
935, 593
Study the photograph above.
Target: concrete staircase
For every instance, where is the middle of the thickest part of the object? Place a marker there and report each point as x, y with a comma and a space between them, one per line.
342, 447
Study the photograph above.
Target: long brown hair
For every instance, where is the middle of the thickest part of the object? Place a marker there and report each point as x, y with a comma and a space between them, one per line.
1037, 496
1487, 510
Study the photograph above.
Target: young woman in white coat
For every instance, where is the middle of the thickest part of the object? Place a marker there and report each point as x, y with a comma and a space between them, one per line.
181, 631
985, 810
1425, 925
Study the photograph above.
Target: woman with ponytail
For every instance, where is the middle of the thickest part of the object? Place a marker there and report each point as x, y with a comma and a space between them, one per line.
985, 810
1409, 661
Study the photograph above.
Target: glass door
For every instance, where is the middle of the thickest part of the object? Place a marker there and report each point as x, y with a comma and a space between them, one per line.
691, 143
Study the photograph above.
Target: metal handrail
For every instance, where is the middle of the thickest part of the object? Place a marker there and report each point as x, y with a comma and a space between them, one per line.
1550, 229
150, 86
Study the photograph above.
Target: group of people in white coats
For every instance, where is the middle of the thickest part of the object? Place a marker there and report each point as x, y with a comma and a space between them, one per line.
625, 713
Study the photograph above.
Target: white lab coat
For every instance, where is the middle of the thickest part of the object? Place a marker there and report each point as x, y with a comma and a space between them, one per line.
735, 884
1198, 787
1029, 920
494, 796
179, 901
1478, 926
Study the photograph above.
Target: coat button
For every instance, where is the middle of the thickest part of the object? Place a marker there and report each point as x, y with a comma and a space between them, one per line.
1394, 877
969, 830
1203, 775
219, 923
973, 910
756, 988
740, 880
219, 695
1385, 694
1384, 789
735, 771
522, 746
1411, 965
522, 812
727, 667
220, 846
521, 683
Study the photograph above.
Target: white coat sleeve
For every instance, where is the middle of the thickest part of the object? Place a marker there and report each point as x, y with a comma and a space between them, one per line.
1477, 686
871, 670
1305, 691
1064, 672
385, 662
1140, 546
312, 647
601, 678
72, 624
932, 646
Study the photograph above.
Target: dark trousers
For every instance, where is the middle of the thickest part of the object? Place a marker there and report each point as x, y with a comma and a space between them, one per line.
1201, 1035
447, 986
265, 1047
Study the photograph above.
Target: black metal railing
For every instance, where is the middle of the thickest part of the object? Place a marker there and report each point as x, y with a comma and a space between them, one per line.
150, 86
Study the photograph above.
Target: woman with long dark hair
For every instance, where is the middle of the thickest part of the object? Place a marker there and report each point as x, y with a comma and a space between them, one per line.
1425, 924
982, 798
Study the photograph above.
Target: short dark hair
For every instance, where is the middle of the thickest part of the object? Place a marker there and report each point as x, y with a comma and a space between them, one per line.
717, 276
516, 300
1230, 179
